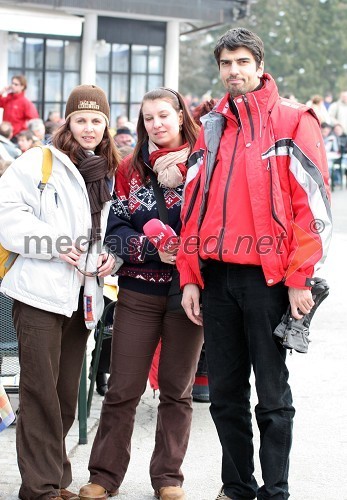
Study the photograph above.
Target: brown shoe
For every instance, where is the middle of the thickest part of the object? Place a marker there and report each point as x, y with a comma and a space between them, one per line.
93, 491
68, 495
170, 493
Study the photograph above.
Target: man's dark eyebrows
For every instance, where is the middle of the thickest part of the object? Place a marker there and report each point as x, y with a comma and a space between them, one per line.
237, 60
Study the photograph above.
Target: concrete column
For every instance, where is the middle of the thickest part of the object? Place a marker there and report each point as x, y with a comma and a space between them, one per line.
4, 59
88, 61
172, 54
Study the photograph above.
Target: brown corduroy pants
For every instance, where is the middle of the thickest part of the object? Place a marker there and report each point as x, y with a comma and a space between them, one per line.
51, 350
141, 320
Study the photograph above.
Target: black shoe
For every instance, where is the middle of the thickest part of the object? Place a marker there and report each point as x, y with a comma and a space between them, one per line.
101, 383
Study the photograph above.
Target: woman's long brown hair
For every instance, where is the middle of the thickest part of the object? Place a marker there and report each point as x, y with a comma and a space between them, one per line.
66, 143
190, 129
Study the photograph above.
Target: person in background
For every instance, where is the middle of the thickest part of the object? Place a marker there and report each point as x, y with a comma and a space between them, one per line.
291, 97
121, 121
124, 137
340, 163
18, 110
8, 150
4, 164
7, 416
166, 135
53, 122
50, 128
27, 140
54, 117
57, 284
338, 111
341, 137
248, 247
333, 153
125, 150
38, 128
328, 99
317, 104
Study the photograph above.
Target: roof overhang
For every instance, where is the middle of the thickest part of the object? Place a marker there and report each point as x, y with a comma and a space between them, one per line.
210, 12
40, 22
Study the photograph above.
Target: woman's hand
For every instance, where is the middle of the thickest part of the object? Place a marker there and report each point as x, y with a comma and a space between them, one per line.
106, 263
70, 254
167, 257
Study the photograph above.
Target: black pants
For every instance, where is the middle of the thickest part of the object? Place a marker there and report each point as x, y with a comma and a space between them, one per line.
240, 313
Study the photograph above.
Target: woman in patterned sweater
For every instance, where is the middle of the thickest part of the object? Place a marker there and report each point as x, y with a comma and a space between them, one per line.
166, 134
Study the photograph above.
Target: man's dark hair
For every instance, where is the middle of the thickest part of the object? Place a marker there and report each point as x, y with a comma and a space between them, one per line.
240, 37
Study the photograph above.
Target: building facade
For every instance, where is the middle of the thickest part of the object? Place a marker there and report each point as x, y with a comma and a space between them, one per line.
126, 47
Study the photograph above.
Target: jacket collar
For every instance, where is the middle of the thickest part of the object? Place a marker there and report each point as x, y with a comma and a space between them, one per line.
254, 108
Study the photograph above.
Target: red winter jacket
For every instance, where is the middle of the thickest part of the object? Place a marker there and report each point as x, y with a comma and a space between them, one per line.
279, 146
18, 110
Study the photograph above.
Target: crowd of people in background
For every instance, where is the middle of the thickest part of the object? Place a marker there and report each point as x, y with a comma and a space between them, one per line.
21, 127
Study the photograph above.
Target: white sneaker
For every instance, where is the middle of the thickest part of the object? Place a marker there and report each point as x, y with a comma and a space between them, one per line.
222, 495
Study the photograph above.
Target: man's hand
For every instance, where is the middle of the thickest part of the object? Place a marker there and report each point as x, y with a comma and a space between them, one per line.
191, 303
300, 300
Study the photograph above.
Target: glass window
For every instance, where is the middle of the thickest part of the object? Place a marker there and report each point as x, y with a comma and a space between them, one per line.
71, 80
134, 112
53, 86
102, 80
139, 58
117, 110
120, 58
34, 53
54, 54
72, 55
155, 60
137, 87
102, 62
119, 88
60, 70
155, 81
34, 85
15, 52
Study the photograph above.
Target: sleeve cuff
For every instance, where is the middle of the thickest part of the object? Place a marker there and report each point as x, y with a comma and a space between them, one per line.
297, 280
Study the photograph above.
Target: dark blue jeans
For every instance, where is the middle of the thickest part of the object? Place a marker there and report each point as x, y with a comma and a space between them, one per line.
240, 313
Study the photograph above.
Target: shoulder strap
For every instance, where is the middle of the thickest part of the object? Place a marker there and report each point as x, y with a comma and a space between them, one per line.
47, 164
158, 192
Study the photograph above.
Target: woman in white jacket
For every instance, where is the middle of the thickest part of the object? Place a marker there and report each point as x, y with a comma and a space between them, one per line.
55, 281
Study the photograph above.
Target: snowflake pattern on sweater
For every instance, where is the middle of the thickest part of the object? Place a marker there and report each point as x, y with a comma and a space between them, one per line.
133, 205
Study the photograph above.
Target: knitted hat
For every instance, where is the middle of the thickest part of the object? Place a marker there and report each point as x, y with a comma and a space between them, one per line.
88, 98
123, 130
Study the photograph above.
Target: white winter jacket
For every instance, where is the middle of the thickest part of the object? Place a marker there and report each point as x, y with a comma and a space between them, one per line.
34, 224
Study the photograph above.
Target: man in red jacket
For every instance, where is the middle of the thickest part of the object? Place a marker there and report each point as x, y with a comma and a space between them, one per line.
256, 227
17, 108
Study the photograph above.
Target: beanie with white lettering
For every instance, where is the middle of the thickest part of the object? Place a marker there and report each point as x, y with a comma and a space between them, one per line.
88, 98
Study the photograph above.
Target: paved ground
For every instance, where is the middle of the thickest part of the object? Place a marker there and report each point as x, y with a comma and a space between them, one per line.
319, 384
